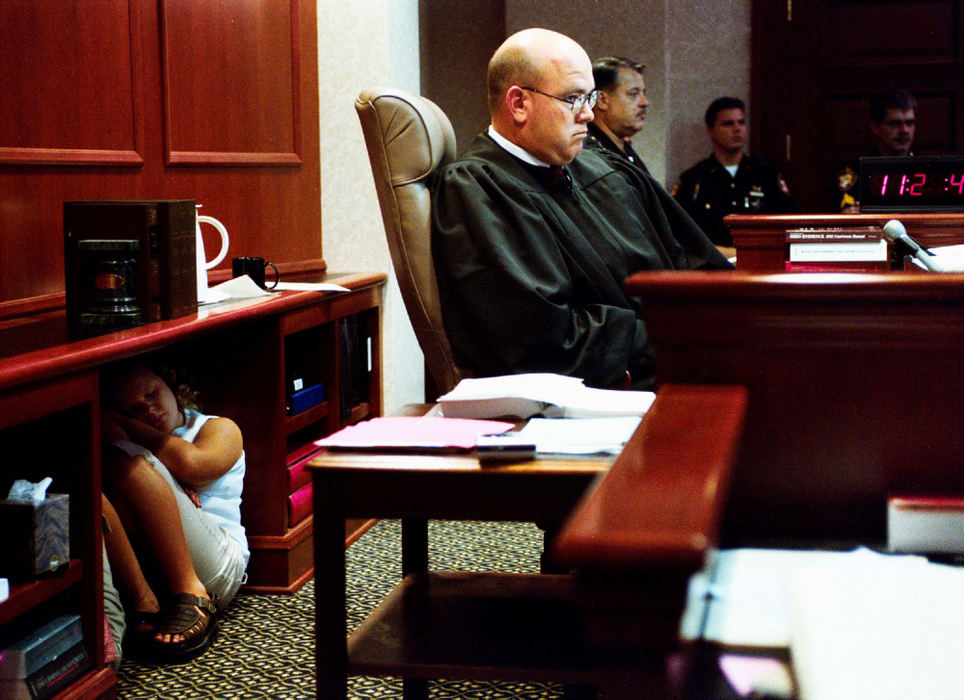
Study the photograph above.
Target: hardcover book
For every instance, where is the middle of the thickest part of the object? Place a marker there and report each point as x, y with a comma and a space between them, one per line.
51, 678
29, 654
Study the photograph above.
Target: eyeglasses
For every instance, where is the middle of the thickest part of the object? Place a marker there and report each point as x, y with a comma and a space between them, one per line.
575, 102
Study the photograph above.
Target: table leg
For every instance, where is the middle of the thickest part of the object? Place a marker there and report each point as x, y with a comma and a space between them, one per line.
331, 651
414, 560
414, 689
414, 546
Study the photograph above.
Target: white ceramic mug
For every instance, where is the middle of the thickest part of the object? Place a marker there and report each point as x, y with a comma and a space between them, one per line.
203, 265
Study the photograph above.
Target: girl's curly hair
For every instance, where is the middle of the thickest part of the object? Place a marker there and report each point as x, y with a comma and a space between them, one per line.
181, 384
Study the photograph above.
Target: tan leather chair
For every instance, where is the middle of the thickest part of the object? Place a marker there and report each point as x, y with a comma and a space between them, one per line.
408, 138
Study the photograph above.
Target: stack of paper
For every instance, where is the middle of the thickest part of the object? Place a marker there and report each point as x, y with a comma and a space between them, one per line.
542, 394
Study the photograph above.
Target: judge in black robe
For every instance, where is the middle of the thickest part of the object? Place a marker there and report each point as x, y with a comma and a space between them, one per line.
531, 264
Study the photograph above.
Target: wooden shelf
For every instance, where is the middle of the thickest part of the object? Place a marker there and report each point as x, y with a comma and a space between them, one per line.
311, 415
359, 413
26, 596
476, 626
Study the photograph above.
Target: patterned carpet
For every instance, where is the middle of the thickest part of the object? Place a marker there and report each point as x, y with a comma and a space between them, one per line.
265, 647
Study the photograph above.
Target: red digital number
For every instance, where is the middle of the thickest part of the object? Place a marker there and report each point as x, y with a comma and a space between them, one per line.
958, 182
915, 189
883, 186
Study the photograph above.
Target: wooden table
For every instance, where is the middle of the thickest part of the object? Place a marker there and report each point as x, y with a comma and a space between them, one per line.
521, 626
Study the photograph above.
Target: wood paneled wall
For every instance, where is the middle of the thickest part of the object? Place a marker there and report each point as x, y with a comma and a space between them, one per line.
157, 99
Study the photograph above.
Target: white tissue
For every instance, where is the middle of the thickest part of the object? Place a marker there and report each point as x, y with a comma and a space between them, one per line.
23, 490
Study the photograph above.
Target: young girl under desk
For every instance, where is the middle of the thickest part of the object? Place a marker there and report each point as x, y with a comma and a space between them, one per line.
173, 479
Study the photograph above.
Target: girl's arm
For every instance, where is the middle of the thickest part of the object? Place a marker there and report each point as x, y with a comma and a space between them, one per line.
216, 448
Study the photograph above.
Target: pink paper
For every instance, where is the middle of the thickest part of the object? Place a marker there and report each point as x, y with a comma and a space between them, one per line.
749, 674
413, 433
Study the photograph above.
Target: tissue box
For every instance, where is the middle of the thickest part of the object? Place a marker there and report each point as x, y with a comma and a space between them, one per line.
36, 536
925, 525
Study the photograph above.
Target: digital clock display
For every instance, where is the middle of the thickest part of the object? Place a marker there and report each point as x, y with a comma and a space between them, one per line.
912, 183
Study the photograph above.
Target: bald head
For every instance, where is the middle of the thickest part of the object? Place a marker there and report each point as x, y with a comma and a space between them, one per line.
527, 55
539, 85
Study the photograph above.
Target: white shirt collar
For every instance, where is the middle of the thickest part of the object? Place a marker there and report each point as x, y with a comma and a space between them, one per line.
515, 150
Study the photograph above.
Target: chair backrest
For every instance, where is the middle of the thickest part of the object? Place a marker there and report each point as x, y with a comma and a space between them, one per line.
408, 138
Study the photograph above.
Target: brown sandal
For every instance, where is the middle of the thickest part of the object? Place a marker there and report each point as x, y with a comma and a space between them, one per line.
193, 617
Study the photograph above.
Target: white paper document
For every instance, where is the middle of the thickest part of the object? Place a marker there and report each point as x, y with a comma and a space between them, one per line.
244, 287
579, 436
847, 251
950, 257
309, 287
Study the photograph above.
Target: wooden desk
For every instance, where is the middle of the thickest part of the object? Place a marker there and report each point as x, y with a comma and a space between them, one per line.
761, 240
412, 633
238, 353
528, 627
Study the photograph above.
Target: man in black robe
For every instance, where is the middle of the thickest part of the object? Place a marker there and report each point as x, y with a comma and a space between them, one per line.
532, 237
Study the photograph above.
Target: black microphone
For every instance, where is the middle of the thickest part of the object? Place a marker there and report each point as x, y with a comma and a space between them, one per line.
895, 232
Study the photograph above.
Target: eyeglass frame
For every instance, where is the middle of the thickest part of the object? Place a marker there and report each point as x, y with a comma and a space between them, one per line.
576, 103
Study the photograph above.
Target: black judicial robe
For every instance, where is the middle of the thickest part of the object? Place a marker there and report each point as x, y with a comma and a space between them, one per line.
530, 267
597, 138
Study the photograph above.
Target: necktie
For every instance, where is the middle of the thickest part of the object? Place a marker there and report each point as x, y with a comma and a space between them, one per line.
562, 174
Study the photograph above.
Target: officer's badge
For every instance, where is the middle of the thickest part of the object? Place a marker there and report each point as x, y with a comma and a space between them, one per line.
782, 184
754, 199
846, 179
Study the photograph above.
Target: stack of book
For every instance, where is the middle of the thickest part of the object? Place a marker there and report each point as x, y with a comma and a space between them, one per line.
45, 661
837, 249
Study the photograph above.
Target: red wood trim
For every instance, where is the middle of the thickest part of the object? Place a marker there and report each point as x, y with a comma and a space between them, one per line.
29, 306
296, 79
661, 503
885, 289
232, 159
70, 156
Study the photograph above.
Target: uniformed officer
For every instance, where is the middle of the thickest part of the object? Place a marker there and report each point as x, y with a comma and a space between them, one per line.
729, 181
